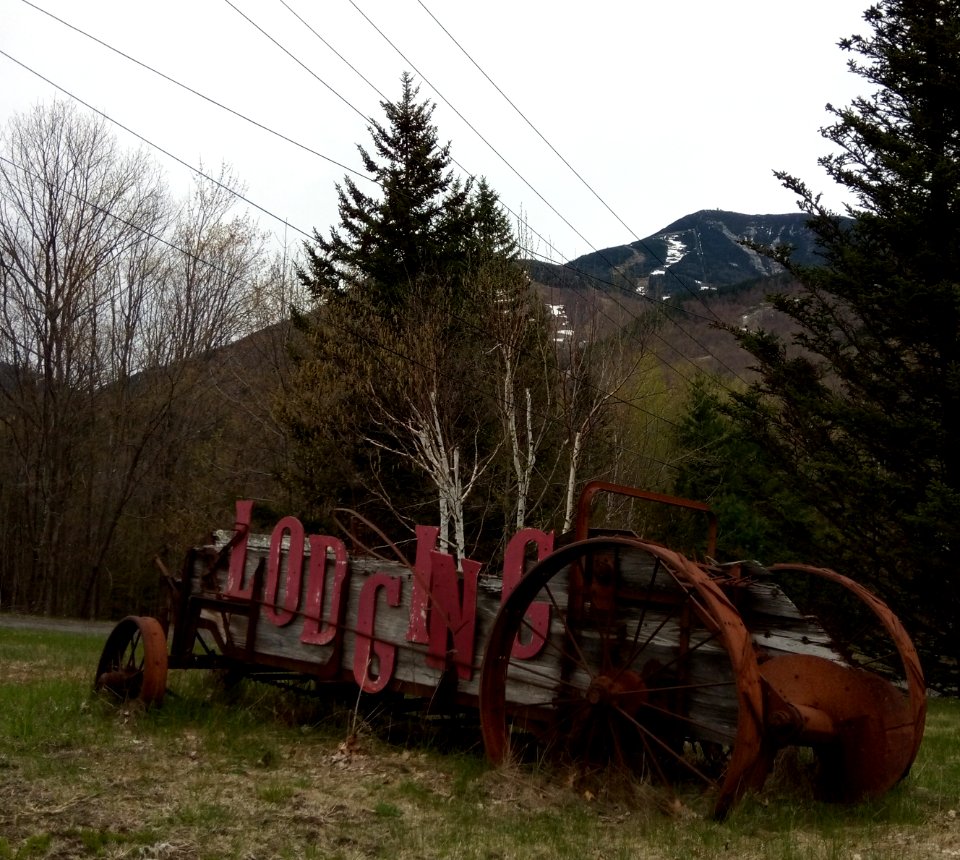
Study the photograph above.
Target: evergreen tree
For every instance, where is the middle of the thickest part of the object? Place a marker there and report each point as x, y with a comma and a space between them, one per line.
860, 412
395, 404
415, 228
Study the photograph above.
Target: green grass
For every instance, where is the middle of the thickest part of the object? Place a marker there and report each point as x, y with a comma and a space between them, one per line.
253, 771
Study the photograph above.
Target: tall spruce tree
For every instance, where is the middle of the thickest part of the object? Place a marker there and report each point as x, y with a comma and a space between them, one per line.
860, 414
394, 405
416, 228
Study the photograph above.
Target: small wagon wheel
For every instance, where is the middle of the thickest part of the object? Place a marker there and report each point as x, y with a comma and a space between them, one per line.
615, 652
133, 664
882, 701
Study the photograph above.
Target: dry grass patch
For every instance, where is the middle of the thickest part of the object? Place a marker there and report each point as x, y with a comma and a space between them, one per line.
254, 772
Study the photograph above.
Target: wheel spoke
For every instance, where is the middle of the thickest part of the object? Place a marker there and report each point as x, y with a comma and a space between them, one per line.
603, 629
680, 688
882, 658
643, 611
637, 651
132, 651
653, 757
523, 669
674, 715
551, 644
568, 633
681, 656
668, 749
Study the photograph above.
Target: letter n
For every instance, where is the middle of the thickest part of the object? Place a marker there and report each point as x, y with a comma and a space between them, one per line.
420, 596
452, 615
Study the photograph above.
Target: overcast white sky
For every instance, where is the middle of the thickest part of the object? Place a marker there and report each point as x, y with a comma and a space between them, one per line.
664, 108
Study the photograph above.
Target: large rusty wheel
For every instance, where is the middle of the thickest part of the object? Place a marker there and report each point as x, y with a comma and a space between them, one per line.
133, 665
615, 653
875, 695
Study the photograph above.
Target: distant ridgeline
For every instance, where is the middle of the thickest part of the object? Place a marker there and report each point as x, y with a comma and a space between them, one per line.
702, 251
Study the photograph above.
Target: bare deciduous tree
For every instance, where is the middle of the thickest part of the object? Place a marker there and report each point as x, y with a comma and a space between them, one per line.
71, 206
111, 303
426, 406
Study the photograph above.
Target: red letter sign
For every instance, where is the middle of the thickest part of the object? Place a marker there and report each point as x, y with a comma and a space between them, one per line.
419, 597
291, 594
238, 552
449, 614
537, 619
373, 653
312, 633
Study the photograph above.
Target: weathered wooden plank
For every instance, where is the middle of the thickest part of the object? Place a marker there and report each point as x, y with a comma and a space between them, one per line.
778, 627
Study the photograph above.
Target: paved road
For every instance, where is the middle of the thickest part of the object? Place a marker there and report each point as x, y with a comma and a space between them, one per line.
72, 625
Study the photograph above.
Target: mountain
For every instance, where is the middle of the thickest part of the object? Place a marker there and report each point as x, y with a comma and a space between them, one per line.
700, 252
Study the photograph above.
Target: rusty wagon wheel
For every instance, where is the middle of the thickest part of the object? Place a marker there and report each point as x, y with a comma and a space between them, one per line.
876, 696
615, 653
133, 664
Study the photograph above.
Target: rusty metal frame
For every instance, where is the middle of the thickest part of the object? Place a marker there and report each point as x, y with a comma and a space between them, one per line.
594, 488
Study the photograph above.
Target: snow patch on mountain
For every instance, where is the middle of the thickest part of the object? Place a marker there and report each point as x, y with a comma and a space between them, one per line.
676, 251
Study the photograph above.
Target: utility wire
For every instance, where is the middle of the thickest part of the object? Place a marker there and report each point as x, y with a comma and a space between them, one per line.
212, 101
298, 61
155, 146
350, 65
229, 190
302, 146
508, 164
352, 107
359, 113
524, 117
470, 125
139, 228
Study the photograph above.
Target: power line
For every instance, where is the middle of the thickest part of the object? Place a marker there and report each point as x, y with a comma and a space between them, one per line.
153, 145
198, 94
298, 61
524, 118
553, 149
470, 125
350, 65
127, 223
509, 165
340, 56
302, 146
211, 179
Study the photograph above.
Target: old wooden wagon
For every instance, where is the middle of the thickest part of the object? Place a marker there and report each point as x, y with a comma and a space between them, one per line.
609, 650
